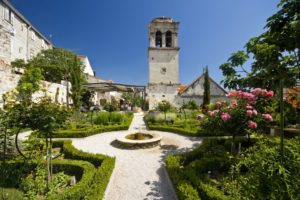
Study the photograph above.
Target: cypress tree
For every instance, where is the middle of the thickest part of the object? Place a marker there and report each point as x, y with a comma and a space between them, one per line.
206, 85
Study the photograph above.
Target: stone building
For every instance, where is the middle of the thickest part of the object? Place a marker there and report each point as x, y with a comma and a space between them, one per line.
163, 65
19, 39
195, 91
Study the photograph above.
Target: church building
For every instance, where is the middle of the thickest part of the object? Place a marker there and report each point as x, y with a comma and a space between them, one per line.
163, 66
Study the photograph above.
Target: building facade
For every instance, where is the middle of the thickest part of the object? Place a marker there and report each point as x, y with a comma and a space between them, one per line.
19, 39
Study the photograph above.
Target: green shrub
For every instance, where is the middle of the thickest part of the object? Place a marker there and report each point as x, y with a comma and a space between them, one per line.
188, 171
102, 118
104, 165
210, 163
187, 192
13, 171
89, 130
83, 170
210, 192
262, 175
10, 194
79, 133
160, 118
105, 118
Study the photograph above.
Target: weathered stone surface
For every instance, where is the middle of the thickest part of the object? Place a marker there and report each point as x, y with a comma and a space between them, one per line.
8, 81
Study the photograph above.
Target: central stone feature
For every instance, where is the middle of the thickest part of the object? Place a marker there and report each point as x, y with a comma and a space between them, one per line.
140, 139
139, 136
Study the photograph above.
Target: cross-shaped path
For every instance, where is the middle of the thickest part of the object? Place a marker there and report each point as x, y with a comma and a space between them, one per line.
139, 174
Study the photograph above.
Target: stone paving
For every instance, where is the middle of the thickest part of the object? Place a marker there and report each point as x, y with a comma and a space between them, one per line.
139, 174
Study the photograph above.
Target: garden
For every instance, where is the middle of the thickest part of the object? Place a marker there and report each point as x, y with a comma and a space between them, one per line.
251, 144
44, 168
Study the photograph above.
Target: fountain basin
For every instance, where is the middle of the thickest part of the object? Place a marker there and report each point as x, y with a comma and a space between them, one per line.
139, 139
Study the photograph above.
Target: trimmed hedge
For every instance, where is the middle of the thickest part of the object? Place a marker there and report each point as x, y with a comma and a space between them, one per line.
93, 170
172, 129
79, 133
188, 171
183, 188
83, 170
91, 130
104, 165
182, 131
210, 192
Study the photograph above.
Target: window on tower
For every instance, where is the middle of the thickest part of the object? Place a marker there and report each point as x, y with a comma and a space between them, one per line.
158, 39
168, 39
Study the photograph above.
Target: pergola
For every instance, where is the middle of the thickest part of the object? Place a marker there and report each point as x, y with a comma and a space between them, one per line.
116, 87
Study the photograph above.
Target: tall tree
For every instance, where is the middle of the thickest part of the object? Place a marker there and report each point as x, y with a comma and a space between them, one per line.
206, 85
60, 64
276, 53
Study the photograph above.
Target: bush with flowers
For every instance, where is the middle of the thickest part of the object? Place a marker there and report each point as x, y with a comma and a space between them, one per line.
243, 113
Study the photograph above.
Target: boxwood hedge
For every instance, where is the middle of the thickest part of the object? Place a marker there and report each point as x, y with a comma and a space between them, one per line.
91, 130
188, 171
104, 168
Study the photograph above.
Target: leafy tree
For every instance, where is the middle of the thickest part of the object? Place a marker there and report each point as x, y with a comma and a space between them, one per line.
18, 63
206, 85
86, 98
276, 53
28, 84
134, 99
164, 106
60, 64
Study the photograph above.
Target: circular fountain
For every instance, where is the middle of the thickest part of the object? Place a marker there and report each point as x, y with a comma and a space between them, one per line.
139, 139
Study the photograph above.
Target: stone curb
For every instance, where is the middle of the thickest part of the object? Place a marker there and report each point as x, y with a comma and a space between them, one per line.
169, 182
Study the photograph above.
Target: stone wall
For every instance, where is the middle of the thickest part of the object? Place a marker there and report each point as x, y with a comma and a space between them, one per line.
9, 80
159, 92
163, 65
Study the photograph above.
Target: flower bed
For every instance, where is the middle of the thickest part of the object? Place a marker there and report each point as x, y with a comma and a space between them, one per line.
91, 130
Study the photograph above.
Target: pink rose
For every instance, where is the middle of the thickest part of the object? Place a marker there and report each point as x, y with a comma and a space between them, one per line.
252, 124
220, 103
267, 117
225, 117
254, 112
268, 93
256, 91
234, 103
249, 113
200, 116
249, 107
213, 113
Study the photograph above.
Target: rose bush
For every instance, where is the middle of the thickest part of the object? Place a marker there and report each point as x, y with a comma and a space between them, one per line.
243, 113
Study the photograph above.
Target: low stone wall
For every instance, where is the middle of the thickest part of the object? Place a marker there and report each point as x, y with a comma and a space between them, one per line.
9, 80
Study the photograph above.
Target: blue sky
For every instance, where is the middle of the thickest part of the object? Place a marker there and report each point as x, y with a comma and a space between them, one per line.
113, 34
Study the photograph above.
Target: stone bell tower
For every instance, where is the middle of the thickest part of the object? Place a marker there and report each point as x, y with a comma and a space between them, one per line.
163, 60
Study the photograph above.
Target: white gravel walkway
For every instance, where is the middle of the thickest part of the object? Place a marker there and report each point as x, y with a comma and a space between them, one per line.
139, 174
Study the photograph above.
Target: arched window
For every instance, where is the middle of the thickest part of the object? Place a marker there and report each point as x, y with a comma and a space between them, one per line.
158, 39
168, 39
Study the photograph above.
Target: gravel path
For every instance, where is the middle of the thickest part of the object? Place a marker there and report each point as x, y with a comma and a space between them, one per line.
139, 174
